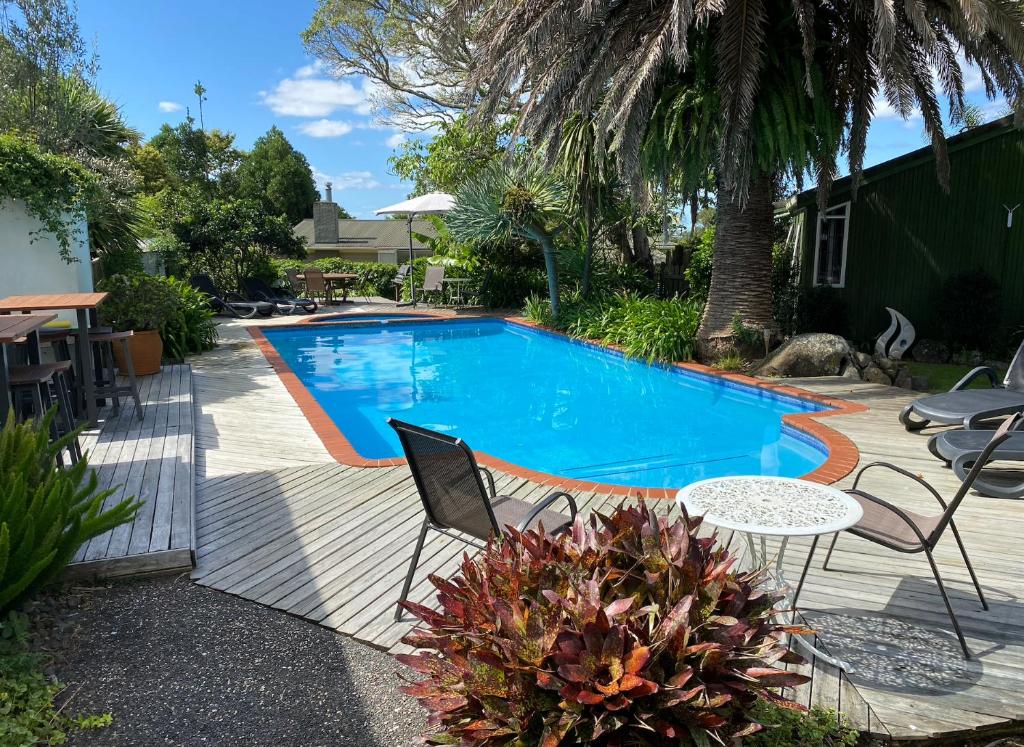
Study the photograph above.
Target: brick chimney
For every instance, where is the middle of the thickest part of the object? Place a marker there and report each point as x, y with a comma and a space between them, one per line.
325, 220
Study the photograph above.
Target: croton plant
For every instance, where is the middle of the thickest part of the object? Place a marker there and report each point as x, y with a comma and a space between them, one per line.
630, 630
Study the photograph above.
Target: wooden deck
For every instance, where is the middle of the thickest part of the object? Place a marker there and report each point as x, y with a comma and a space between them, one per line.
152, 460
280, 523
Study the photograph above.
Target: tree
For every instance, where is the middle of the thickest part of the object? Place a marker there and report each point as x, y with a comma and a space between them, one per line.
192, 157
788, 83
447, 160
404, 48
506, 201
200, 91
278, 177
229, 239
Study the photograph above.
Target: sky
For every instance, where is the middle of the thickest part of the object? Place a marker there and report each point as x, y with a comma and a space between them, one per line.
251, 60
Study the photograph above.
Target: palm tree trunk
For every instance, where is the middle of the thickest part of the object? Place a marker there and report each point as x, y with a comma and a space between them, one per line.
552, 270
741, 272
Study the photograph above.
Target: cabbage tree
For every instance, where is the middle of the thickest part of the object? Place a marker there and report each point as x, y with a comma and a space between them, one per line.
513, 200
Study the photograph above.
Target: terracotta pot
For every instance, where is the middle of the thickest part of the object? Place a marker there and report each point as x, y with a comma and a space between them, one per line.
146, 348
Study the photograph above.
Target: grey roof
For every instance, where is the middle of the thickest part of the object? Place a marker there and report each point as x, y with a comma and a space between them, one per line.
369, 234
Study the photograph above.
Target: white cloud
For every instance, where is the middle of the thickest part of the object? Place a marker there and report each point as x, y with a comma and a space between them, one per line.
395, 140
169, 106
325, 128
308, 93
347, 180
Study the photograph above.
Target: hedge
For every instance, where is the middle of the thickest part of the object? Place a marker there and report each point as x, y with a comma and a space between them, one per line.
374, 277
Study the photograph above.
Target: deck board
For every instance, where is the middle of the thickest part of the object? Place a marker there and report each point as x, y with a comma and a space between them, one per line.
280, 523
150, 459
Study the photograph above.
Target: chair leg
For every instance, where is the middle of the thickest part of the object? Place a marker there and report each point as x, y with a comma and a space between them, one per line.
110, 375
831, 547
60, 383
970, 568
412, 570
949, 606
130, 364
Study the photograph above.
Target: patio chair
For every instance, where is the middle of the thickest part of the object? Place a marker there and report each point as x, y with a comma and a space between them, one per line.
970, 407
905, 531
292, 275
451, 488
231, 303
316, 285
399, 280
960, 449
433, 280
257, 290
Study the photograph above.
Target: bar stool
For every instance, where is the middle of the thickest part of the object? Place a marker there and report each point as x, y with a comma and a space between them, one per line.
44, 385
106, 385
58, 340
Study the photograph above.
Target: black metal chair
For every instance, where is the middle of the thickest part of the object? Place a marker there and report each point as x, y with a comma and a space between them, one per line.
257, 290
451, 487
905, 531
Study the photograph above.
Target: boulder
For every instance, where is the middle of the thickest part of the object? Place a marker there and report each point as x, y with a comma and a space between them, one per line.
811, 354
886, 364
851, 372
863, 360
875, 375
930, 351
903, 378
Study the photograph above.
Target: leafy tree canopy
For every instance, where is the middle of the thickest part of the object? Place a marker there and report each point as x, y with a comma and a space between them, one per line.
207, 160
278, 177
445, 162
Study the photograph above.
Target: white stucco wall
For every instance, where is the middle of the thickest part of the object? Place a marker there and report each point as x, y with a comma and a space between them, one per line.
30, 262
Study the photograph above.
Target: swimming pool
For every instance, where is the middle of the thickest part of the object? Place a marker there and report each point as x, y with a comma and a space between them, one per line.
380, 318
545, 403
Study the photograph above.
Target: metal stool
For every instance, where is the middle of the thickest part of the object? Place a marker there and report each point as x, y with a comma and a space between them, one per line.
106, 385
58, 340
43, 385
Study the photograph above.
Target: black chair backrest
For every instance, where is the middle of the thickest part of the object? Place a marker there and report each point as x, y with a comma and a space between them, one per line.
204, 283
1002, 433
257, 290
448, 480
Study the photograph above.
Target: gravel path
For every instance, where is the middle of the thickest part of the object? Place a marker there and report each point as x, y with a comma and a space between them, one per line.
179, 664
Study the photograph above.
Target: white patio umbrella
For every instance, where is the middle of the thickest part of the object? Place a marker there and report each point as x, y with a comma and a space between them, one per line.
432, 203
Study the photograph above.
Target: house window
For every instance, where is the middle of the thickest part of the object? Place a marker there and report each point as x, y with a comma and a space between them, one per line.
830, 249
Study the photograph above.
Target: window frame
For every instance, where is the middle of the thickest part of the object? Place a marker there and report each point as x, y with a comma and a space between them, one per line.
845, 206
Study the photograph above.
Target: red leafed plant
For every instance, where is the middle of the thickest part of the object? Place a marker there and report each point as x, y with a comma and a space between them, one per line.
630, 630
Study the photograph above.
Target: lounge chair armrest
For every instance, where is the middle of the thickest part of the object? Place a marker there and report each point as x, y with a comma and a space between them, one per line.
235, 298
490, 479
896, 510
975, 373
547, 501
974, 422
905, 473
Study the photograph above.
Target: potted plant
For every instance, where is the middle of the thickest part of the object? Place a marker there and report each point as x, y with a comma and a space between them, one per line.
142, 304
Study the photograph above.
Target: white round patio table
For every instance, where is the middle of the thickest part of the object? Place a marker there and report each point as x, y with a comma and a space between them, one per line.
774, 507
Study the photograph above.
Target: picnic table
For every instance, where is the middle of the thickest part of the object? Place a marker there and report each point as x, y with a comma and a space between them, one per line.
344, 280
81, 304
14, 330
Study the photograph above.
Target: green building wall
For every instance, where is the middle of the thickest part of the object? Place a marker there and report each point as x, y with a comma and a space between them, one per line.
907, 236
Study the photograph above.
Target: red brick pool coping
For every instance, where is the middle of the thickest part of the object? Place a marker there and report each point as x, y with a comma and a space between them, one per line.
842, 453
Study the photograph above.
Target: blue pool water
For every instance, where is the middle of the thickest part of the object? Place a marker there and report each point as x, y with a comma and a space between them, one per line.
544, 402
349, 318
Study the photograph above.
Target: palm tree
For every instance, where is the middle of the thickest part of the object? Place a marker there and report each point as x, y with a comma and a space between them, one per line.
785, 84
512, 200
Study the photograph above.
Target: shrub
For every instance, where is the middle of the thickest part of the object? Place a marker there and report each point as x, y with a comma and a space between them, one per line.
123, 262
46, 514
969, 310
785, 289
648, 328
821, 309
191, 328
818, 727
137, 302
698, 272
28, 711
628, 630
374, 277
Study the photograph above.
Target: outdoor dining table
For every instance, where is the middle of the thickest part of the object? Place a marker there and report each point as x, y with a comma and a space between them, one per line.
340, 279
81, 304
456, 289
13, 330
761, 507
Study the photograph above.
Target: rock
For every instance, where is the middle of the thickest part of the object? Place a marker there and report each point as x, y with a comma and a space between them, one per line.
811, 354
886, 364
903, 379
863, 360
919, 383
875, 375
930, 351
851, 372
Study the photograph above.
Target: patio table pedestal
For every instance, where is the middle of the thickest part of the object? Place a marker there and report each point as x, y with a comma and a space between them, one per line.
761, 507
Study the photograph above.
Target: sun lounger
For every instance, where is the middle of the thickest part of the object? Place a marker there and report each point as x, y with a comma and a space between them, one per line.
971, 407
231, 304
257, 290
